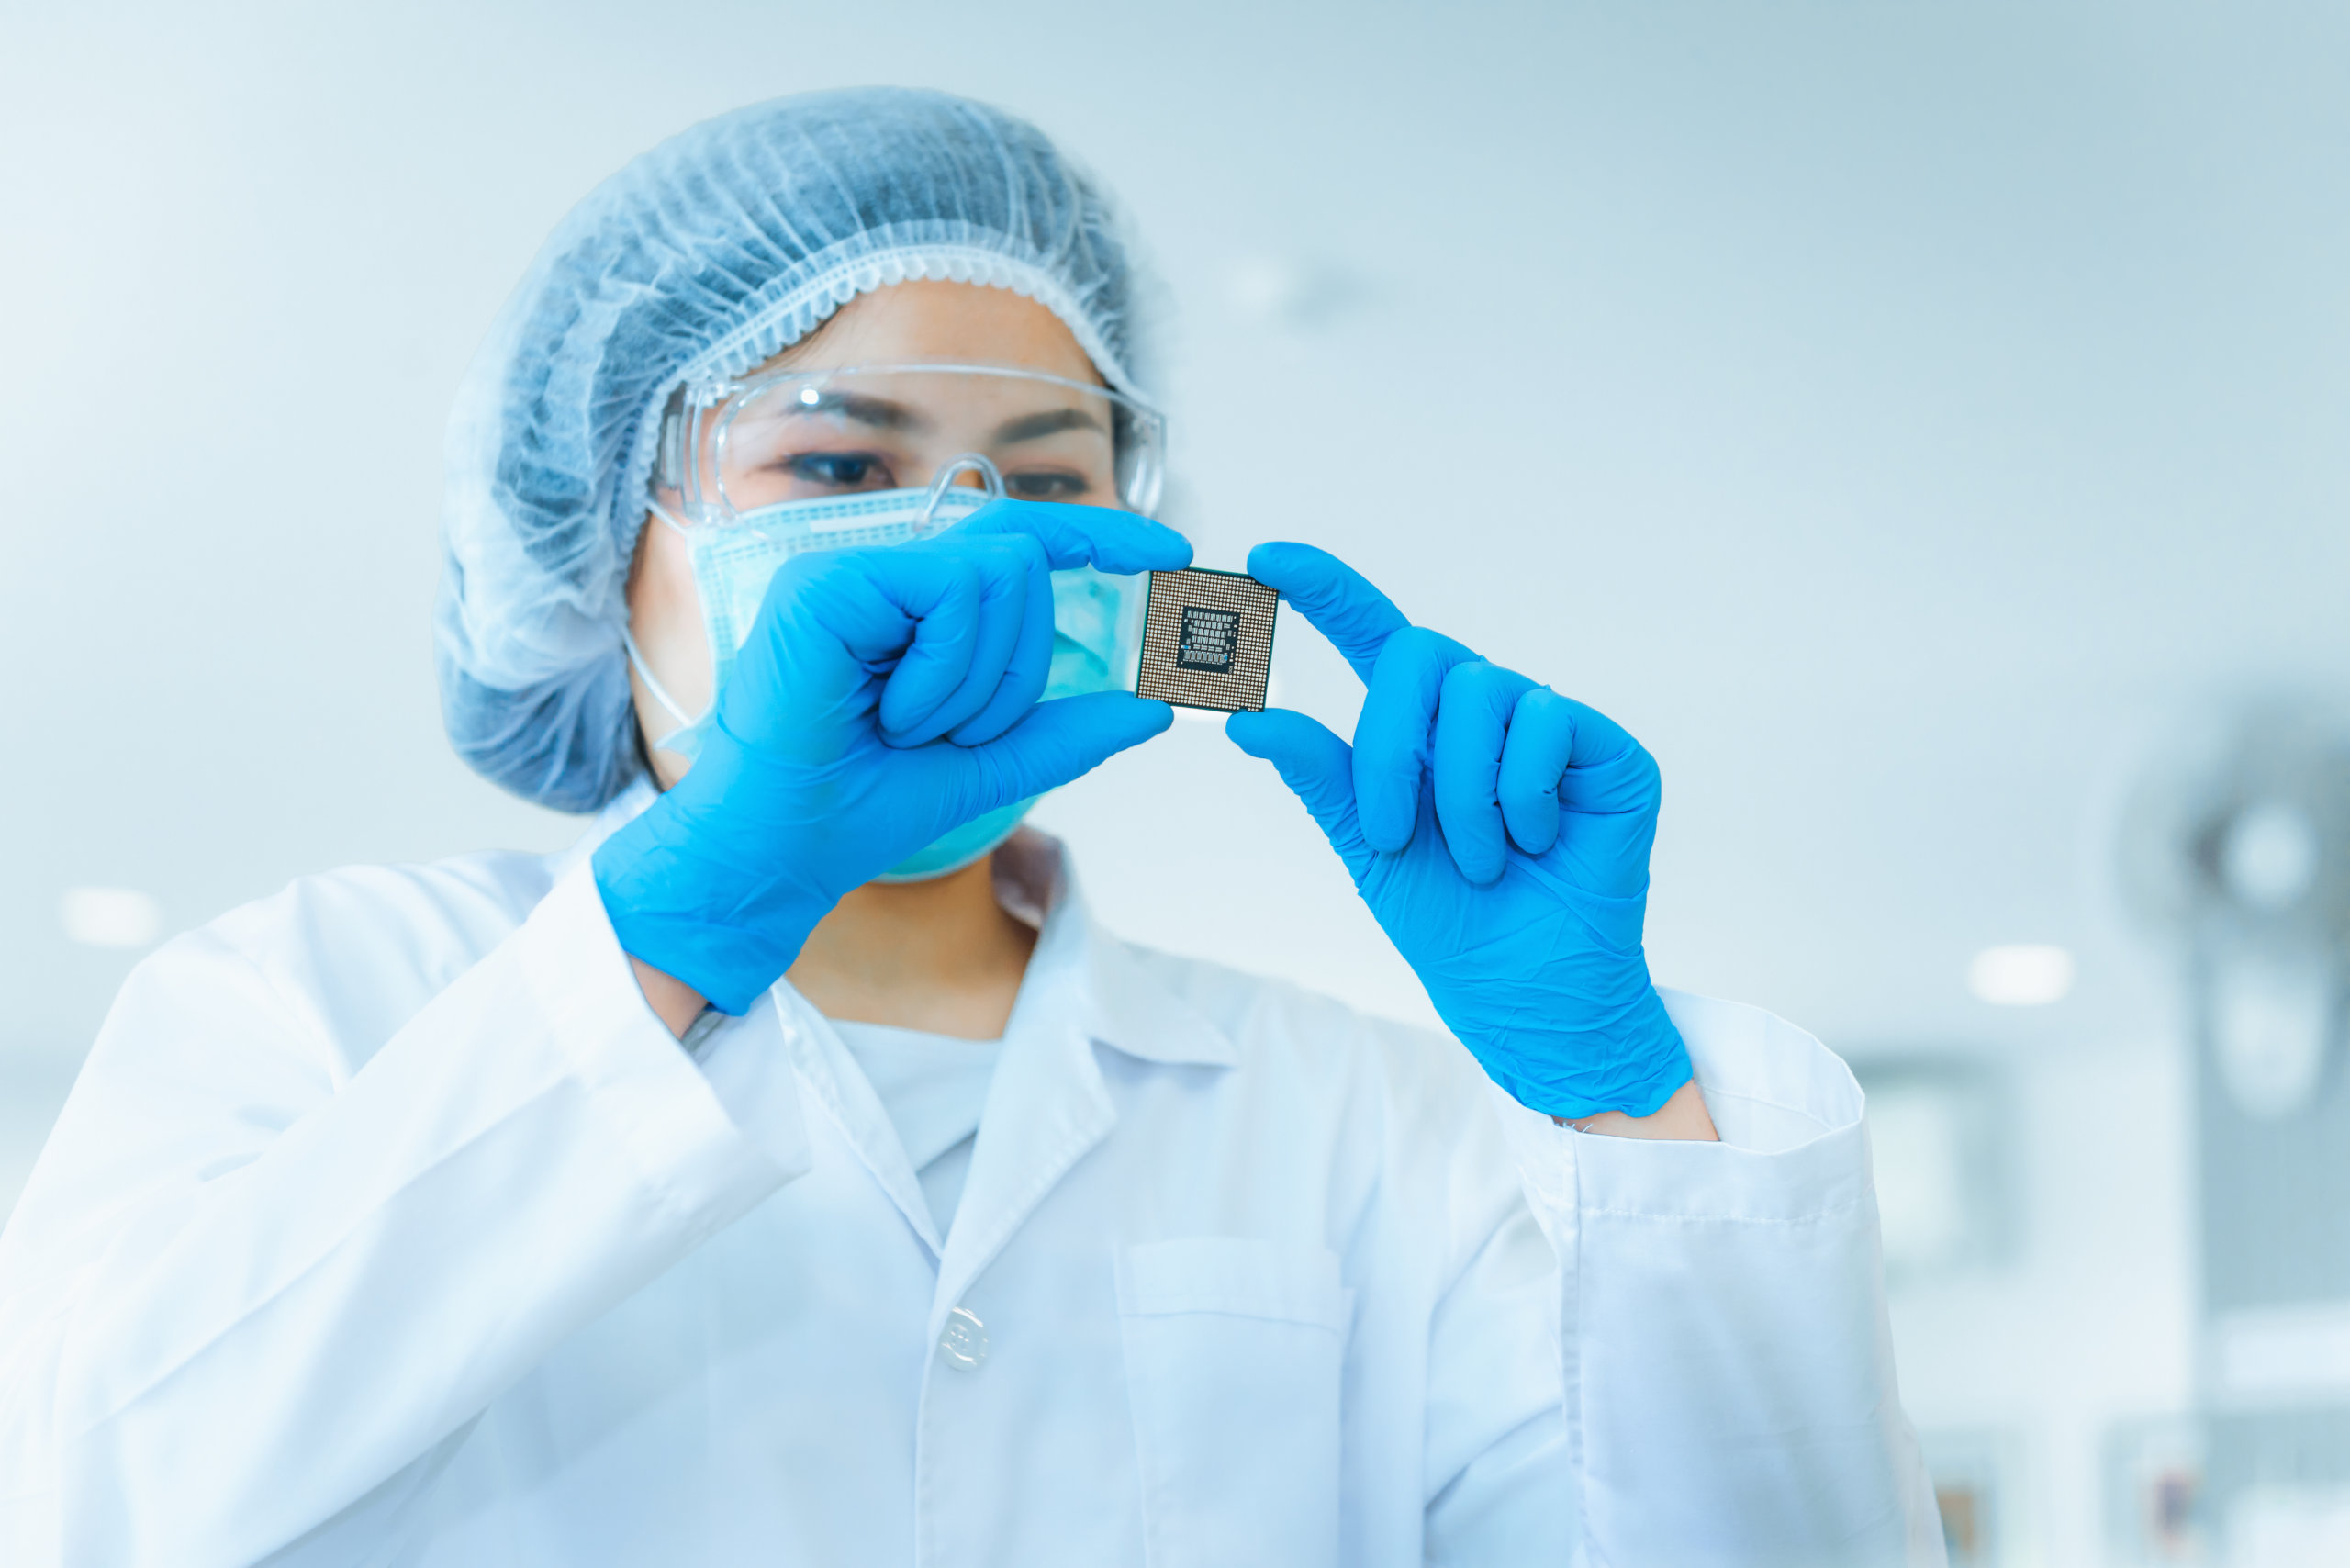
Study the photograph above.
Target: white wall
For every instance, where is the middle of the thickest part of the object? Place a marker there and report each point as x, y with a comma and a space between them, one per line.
1893, 413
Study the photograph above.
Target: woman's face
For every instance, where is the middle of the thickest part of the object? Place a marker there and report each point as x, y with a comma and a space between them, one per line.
907, 323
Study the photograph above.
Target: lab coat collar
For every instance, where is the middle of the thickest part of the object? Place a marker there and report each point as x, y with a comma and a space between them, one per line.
1127, 1008
1047, 1106
1135, 1013
1047, 1103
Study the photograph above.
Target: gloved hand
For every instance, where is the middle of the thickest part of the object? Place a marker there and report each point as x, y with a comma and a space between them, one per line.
1500, 833
885, 697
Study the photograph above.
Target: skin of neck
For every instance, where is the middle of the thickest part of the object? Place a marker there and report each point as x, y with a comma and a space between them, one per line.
940, 956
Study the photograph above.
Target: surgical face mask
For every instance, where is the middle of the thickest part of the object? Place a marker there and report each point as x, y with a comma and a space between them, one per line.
1097, 618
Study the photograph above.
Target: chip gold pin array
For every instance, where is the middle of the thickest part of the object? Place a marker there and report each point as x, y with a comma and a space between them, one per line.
1207, 640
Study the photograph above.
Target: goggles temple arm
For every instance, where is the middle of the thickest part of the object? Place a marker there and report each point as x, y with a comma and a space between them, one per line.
669, 461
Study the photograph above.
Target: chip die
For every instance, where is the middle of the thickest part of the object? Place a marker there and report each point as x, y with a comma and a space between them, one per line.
1207, 640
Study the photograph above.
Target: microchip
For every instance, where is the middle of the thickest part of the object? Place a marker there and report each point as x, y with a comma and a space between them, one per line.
1207, 640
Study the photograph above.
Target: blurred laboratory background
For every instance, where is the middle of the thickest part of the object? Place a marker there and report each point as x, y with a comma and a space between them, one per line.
1923, 425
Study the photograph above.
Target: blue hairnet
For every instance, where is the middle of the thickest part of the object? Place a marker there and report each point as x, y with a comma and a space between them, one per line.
707, 256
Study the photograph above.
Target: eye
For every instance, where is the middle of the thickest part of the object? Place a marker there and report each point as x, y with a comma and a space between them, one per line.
1046, 485
839, 470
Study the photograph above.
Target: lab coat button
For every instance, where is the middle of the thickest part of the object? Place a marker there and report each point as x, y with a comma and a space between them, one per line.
964, 1343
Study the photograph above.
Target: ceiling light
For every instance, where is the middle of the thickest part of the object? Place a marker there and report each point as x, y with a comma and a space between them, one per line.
2025, 975
110, 917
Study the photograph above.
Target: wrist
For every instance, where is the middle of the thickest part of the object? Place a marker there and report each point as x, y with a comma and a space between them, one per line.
1682, 1118
700, 919
674, 1003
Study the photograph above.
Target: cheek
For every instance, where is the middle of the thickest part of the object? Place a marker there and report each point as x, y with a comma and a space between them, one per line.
665, 616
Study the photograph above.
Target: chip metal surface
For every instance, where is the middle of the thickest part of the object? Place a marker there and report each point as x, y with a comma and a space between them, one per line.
1207, 640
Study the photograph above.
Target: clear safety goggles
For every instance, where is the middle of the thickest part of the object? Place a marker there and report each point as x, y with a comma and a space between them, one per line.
730, 449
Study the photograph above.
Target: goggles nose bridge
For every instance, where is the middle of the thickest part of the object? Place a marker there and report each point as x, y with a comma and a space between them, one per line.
991, 482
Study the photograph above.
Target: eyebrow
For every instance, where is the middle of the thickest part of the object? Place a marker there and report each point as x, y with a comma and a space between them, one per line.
1035, 427
878, 412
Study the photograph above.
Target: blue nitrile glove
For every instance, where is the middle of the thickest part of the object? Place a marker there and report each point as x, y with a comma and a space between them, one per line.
1500, 833
885, 697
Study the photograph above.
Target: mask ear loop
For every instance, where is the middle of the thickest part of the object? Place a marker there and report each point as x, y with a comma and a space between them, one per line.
653, 686
990, 486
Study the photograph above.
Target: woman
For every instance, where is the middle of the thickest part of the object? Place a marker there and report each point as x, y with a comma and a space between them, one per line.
791, 1173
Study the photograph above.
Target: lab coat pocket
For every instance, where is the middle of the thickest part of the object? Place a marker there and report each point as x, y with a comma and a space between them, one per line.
1233, 1350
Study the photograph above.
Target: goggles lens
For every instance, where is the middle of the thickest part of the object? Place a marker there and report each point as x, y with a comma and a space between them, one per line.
805, 436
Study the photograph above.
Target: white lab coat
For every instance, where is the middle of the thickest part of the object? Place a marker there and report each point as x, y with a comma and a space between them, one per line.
386, 1225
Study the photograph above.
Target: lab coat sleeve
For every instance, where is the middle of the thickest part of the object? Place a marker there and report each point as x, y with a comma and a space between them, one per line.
249, 1287
1728, 1367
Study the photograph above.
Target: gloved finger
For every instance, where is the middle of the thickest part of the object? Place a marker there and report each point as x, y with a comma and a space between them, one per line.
1471, 727
1336, 598
1608, 773
836, 595
1029, 667
1541, 739
1102, 537
941, 593
1392, 734
1317, 767
832, 620
1003, 569
1057, 742
1575, 781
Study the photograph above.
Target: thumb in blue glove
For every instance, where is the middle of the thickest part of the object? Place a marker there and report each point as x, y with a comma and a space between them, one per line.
1500, 834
